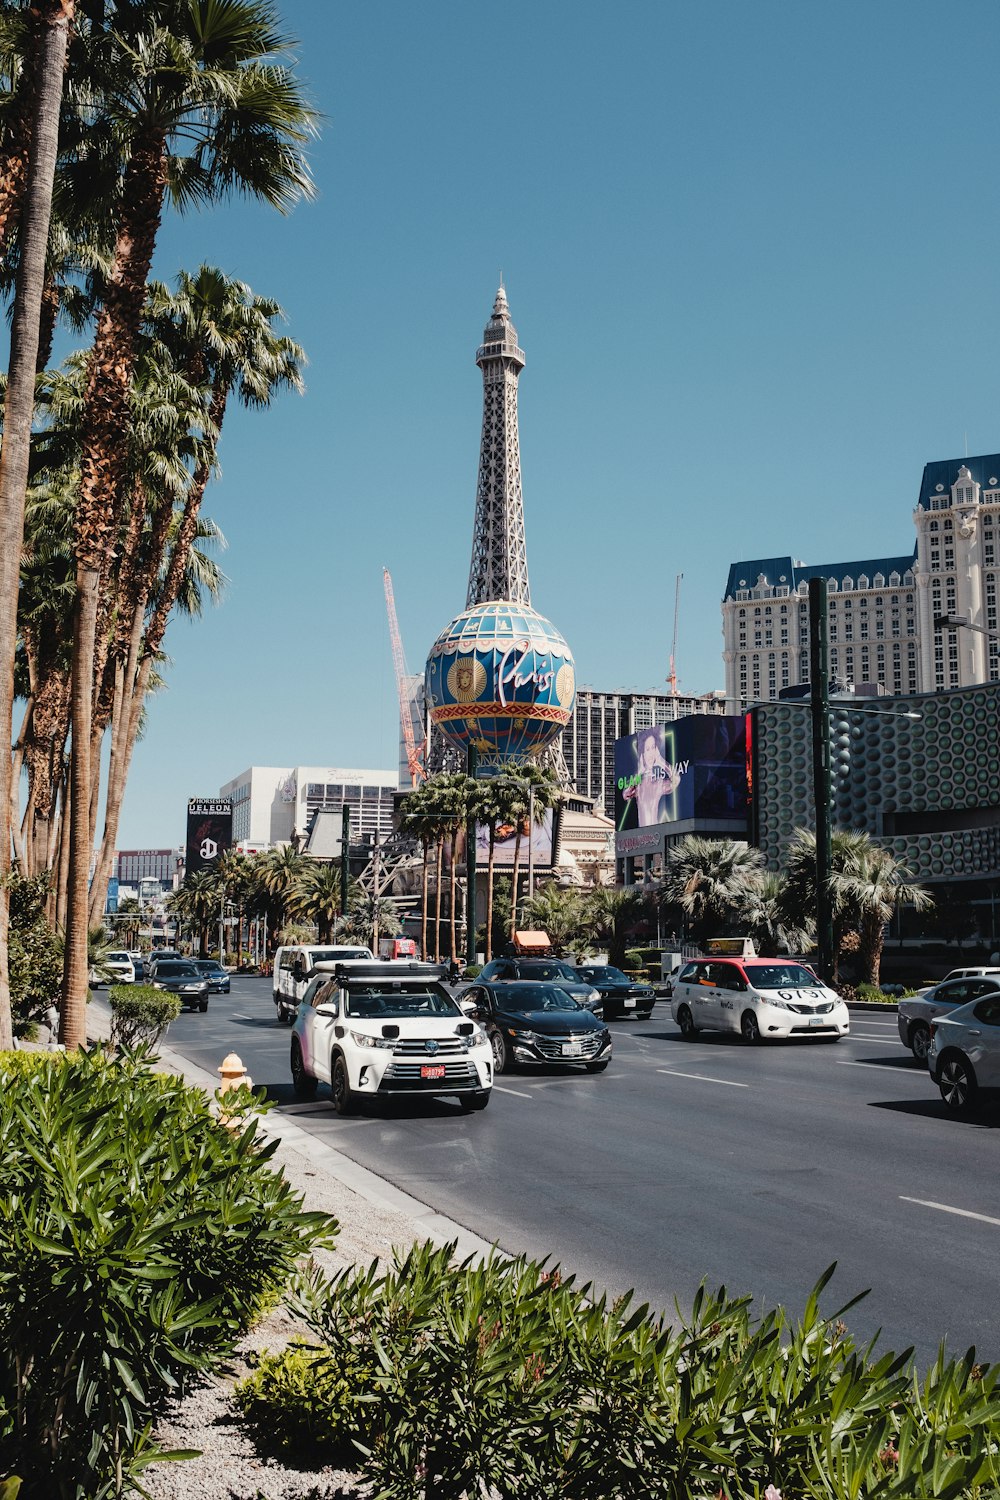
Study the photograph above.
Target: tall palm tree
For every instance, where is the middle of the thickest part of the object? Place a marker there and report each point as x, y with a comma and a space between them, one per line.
767, 920
199, 902
710, 880
416, 820
612, 915
198, 105
492, 801
848, 847
279, 870
540, 791
315, 896
55, 18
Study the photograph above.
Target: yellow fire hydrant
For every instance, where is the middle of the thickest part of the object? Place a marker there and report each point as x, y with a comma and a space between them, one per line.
233, 1075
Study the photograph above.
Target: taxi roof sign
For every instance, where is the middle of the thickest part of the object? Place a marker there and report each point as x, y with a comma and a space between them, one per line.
729, 947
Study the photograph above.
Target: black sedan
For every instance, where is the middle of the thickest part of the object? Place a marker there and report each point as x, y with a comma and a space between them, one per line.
621, 995
217, 976
528, 1022
180, 977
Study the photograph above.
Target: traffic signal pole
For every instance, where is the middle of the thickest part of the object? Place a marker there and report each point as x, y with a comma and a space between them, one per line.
819, 679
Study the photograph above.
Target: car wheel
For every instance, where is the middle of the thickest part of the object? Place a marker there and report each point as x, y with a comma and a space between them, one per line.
203, 1006
920, 1041
469, 1102
597, 1067
501, 1053
958, 1084
303, 1083
685, 1021
345, 1100
750, 1028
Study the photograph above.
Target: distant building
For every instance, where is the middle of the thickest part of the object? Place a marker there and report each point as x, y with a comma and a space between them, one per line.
276, 805
132, 866
881, 610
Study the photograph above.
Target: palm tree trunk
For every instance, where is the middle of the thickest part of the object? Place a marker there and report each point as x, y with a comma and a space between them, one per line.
18, 411
16, 828
489, 892
424, 895
439, 864
452, 893
73, 1013
515, 879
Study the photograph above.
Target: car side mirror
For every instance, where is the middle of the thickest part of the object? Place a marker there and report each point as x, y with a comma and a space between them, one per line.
331, 1010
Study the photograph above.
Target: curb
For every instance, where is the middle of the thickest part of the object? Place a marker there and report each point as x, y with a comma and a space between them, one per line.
863, 1007
428, 1223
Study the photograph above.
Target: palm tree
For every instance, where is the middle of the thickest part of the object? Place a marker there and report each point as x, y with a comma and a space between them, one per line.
612, 915
128, 921
55, 18
874, 888
197, 105
199, 901
767, 920
367, 916
279, 870
416, 820
560, 912
848, 847
492, 801
540, 791
315, 896
711, 880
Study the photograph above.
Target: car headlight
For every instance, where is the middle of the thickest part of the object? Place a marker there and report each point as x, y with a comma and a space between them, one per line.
520, 1035
361, 1039
778, 1004
158, 986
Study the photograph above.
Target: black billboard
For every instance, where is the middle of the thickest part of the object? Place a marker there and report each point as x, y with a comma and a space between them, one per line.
209, 832
693, 769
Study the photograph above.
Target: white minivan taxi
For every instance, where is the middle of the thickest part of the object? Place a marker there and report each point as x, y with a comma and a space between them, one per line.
374, 1029
758, 997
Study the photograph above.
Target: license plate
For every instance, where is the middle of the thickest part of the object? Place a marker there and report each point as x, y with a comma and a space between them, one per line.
630, 1005
815, 1020
571, 1049
432, 1070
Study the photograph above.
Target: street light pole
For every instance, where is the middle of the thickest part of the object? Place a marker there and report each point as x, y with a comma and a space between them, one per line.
819, 680
345, 850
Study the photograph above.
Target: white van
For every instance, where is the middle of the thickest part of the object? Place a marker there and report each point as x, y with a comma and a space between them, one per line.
295, 965
759, 998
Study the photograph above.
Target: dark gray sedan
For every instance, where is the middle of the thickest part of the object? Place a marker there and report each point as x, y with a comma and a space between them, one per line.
537, 1023
179, 977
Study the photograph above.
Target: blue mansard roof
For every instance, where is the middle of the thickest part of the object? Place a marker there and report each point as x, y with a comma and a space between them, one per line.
782, 572
940, 476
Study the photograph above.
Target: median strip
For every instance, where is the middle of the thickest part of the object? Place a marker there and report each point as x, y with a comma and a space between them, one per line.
946, 1208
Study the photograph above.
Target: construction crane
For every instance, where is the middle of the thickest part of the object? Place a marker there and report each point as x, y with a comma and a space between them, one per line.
672, 674
410, 720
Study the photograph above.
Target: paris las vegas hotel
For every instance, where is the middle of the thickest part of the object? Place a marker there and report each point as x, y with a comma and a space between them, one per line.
882, 635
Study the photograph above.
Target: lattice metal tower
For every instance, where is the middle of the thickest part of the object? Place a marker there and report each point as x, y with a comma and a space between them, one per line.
499, 567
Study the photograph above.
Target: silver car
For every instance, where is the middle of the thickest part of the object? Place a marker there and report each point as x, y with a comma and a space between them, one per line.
915, 1014
964, 1056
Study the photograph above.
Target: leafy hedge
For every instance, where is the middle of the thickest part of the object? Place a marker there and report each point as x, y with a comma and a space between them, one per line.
447, 1381
140, 1014
138, 1239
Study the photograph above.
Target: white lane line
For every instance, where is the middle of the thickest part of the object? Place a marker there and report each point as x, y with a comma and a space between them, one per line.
869, 1036
516, 1092
701, 1077
946, 1208
883, 1067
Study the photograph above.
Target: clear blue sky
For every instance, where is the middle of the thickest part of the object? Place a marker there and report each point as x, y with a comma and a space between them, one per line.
751, 254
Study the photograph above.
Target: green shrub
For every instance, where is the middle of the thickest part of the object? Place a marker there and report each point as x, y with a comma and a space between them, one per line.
505, 1377
140, 1014
300, 1401
870, 994
22, 1064
35, 952
472, 971
138, 1239
634, 958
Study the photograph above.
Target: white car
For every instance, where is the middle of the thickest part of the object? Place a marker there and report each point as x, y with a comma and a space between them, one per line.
374, 1029
915, 1014
760, 998
964, 1056
116, 968
295, 965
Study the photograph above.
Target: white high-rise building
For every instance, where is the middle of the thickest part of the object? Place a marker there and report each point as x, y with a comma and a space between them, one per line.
881, 610
274, 805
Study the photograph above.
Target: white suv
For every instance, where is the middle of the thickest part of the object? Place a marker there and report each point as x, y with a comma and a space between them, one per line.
295, 966
373, 1029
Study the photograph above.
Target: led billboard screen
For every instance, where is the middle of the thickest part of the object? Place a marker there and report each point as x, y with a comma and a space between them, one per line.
209, 832
692, 770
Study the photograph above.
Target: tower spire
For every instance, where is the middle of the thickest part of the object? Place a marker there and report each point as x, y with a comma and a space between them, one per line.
499, 568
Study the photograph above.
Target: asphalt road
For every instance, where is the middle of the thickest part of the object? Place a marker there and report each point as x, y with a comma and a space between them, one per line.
748, 1167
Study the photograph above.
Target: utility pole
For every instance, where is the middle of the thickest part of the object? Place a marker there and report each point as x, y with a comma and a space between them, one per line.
375, 883
345, 850
819, 679
472, 759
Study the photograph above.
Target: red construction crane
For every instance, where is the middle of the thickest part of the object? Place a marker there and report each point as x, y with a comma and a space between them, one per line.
672, 674
409, 709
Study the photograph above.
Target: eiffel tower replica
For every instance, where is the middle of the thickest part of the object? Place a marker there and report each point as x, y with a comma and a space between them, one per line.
499, 567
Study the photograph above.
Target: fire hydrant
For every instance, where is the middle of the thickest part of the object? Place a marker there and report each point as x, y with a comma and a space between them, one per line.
234, 1075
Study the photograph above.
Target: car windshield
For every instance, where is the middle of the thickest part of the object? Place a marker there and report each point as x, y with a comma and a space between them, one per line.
399, 1005
209, 966
781, 977
176, 971
550, 970
118, 958
604, 974
526, 997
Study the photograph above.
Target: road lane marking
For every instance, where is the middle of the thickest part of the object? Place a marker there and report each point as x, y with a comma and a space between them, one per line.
867, 1036
900, 1072
701, 1077
946, 1208
516, 1092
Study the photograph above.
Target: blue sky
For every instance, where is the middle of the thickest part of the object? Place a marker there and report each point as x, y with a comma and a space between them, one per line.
751, 254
